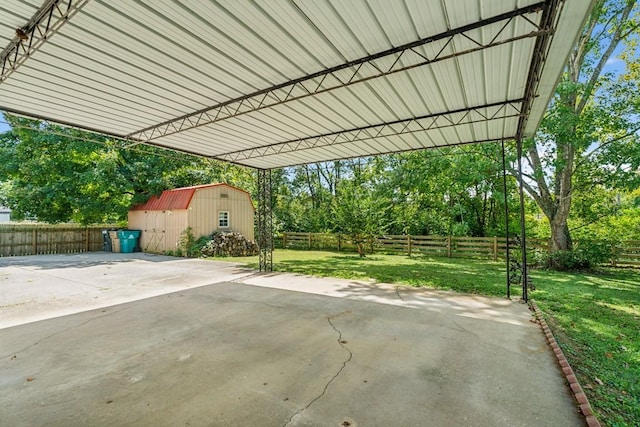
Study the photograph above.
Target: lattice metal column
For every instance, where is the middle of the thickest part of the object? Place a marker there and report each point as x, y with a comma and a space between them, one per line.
265, 220
516, 248
506, 220
523, 242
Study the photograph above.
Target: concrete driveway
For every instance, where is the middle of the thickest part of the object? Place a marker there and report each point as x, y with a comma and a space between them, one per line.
159, 341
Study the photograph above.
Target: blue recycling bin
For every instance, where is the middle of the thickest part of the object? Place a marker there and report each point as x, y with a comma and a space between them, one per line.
128, 240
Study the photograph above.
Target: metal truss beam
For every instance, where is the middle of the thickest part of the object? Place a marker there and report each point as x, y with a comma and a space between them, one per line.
465, 116
401, 58
265, 220
46, 22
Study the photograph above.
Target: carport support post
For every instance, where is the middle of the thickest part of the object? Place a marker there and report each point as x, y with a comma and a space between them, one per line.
525, 281
506, 216
265, 220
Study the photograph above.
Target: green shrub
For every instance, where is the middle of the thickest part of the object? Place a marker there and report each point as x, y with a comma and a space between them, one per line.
586, 255
596, 251
190, 246
567, 261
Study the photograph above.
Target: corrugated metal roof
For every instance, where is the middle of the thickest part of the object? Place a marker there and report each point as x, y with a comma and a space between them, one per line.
254, 82
179, 198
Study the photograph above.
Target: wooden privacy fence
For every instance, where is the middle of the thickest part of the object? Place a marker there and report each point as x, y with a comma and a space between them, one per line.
35, 239
627, 253
445, 246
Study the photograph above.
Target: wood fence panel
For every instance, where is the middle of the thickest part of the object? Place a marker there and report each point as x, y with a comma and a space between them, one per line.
36, 239
628, 253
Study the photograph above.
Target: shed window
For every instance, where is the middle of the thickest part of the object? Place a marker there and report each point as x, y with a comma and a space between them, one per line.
223, 219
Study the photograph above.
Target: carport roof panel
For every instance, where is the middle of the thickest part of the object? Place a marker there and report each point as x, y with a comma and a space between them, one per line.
270, 84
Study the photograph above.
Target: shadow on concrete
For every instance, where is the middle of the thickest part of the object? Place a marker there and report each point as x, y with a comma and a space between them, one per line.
83, 260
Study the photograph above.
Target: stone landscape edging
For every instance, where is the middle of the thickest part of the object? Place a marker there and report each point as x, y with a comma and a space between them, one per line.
576, 389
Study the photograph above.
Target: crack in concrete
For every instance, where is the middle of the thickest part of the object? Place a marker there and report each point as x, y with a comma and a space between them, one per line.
326, 386
398, 293
42, 273
248, 301
61, 332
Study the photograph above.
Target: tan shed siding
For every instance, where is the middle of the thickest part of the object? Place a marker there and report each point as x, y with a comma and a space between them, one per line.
137, 220
176, 222
207, 202
160, 229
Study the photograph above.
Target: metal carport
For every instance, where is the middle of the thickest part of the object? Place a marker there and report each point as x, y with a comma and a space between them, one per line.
279, 83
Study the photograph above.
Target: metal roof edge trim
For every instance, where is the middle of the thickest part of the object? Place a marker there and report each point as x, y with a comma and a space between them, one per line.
55, 18
31, 116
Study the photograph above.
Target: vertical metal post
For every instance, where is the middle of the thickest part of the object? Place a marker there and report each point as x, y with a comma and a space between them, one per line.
506, 216
525, 280
265, 220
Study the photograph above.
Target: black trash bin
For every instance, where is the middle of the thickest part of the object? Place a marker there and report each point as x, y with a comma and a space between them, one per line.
106, 241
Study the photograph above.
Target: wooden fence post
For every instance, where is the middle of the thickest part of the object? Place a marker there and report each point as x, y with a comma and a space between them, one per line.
86, 239
614, 254
35, 241
495, 248
409, 244
339, 242
284, 240
309, 240
449, 249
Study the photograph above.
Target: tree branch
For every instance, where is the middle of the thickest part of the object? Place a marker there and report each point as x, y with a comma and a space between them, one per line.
529, 189
580, 50
539, 174
617, 36
604, 144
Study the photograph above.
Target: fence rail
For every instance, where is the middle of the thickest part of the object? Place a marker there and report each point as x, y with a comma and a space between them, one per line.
628, 253
447, 246
36, 239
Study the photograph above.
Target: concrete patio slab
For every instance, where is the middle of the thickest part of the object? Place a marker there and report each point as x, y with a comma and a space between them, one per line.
44, 286
271, 350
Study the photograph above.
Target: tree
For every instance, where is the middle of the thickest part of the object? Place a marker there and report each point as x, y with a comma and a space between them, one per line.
450, 191
55, 174
358, 213
590, 119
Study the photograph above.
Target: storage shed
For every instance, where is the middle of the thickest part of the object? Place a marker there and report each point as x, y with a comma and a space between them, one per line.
204, 208
5, 214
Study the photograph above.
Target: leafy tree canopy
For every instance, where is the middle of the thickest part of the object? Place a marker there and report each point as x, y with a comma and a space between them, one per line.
55, 174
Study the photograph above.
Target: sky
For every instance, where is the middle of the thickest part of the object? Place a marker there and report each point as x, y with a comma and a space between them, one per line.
4, 126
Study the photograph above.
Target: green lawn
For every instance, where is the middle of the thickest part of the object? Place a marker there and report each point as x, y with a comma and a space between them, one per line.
595, 316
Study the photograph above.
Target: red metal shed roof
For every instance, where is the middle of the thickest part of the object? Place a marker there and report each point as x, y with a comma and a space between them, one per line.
178, 198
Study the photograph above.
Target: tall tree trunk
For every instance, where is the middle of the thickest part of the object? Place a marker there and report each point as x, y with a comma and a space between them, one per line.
553, 193
560, 236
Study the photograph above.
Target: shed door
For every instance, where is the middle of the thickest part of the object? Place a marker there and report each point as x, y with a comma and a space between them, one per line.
156, 227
